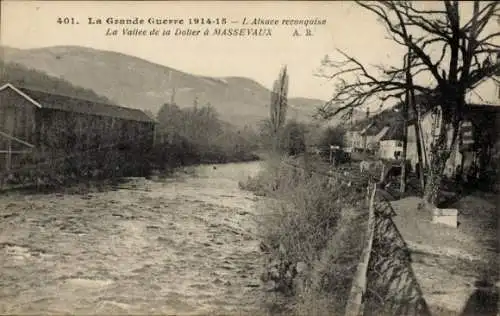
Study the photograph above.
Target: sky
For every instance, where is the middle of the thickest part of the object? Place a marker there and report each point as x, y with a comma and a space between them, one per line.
33, 24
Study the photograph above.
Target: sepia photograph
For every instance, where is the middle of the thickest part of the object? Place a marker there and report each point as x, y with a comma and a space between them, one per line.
274, 158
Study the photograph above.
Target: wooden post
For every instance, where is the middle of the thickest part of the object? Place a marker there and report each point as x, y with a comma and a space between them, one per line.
421, 139
419, 144
418, 134
416, 109
8, 162
382, 174
154, 134
402, 187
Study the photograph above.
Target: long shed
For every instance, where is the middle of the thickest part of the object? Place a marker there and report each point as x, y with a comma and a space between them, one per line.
38, 122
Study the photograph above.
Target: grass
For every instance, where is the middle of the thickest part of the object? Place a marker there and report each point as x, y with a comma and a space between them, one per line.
316, 223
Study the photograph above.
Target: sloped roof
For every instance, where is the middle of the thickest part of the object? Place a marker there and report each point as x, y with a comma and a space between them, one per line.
373, 130
360, 126
55, 101
486, 92
395, 132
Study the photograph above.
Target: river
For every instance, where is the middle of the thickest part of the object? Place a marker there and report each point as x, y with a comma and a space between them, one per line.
184, 246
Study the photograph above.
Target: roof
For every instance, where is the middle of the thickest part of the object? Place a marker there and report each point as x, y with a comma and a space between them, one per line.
486, 92
483, 115
373, 130
49, 100
395, 132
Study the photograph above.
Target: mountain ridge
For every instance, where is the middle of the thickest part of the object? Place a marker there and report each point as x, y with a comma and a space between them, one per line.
134, 82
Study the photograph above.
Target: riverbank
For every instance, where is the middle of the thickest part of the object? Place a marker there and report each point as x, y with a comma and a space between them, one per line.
186, 245
87, 184
312, 231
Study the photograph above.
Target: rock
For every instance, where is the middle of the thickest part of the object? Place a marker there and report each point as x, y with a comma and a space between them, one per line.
448, 217
282, 249
264, 277
253, 285
301, 267
263, 247
269, 286
217, 281
274, 273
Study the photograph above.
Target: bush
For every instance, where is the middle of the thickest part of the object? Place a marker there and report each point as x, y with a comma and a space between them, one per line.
312, 233
333, 136
58, 168
293, 139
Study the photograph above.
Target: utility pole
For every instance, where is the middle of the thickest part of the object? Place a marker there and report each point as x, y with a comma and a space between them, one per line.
418, 135
365, 138
407, 62
410, 99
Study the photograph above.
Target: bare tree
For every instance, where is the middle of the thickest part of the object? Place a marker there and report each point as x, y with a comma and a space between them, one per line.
279, 106
464, 59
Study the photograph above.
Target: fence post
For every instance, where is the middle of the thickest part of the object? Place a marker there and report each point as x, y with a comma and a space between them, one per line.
8, 161
382, 173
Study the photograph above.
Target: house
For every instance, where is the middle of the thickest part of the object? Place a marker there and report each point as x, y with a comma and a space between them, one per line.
34, 122
373, 135
354, 139
365, 137
477, 134
391, 144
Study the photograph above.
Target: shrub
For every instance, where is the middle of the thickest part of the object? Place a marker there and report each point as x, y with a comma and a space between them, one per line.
314, 223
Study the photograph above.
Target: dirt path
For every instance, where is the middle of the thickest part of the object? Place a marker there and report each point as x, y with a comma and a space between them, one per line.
178, 247
452, 263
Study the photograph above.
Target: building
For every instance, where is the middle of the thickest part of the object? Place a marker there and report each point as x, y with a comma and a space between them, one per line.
365, 135
38, 123
373, 135
477, 136
361, 137
354, 140
391, 144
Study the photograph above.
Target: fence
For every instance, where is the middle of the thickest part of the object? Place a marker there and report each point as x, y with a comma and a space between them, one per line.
359, 285
384, 283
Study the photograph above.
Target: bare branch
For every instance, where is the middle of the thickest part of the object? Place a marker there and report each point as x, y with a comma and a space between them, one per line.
465, 49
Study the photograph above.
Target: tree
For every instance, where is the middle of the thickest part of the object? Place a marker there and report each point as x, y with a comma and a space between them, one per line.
464, 59
279, 105
170, 120
293, 139
333, 136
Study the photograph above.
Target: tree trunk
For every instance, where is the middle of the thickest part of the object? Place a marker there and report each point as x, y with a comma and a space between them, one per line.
433, 183
441, 152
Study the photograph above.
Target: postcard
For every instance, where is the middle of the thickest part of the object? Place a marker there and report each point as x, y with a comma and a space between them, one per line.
249, 157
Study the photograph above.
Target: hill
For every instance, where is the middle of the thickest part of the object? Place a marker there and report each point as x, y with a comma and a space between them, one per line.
133, 82
22, 76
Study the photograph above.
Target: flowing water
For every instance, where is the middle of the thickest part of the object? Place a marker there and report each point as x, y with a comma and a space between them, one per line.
182, 246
